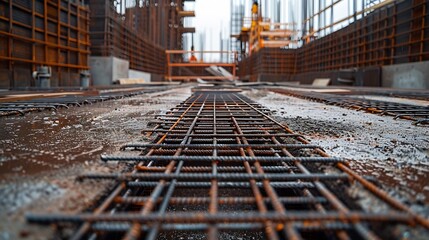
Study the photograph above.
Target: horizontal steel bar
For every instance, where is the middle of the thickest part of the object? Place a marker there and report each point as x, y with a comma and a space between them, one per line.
12, 110
122, 227
220, 177
222, 200
219, 146
29, 106
248, 227
236, 135
184, 130
36, 103
280, 185
236, 217
222, 158
218, 168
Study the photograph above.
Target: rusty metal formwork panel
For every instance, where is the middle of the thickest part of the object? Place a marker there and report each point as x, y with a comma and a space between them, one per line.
392, 35
43, 32
268, 62
395, 34
137, 31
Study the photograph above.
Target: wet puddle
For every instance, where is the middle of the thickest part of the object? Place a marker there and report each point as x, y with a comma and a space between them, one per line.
44, 141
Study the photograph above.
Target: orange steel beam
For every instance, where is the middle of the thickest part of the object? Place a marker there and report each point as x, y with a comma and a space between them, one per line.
37, 62
201, 77
170, 65
197, 64
187, 51
186, 13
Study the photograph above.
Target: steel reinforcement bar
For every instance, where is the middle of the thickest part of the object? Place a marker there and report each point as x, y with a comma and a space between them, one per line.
418, 114
54, 103
221, 168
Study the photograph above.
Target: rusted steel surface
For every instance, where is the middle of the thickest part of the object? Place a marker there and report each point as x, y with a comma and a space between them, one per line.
418, 114
391, 35
270, 62
220, 165
395, 34
43, 32
138, 31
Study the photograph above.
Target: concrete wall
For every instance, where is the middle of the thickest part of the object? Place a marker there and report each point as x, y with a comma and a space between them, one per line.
139, 74
106, 70
407, 75
120, 68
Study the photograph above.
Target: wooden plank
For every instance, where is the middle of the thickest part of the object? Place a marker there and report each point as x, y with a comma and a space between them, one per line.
29, 96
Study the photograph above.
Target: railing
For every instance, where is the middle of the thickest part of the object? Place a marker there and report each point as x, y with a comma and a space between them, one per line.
205, 65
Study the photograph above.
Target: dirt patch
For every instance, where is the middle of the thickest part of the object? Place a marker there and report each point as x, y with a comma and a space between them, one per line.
312, 127
393, 151
42, 153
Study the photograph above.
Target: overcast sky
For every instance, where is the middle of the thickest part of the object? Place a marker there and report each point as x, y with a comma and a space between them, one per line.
211, 21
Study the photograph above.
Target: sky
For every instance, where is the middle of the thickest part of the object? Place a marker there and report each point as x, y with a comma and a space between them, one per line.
212, 18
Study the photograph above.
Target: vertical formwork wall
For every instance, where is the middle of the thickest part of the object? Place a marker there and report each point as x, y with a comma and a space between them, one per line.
392, 35
268, 63
398, 33
43, 32
136, 31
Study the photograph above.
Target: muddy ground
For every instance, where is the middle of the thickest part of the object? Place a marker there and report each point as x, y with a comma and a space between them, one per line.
42, 153
393, 151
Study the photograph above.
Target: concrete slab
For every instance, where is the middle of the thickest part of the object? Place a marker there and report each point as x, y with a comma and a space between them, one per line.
139, 74
321, 82
407, 75
106, 70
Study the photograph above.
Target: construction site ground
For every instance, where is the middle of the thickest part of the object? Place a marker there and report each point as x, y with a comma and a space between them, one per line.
42, 152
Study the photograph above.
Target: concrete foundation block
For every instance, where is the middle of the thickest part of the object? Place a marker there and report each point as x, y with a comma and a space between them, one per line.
407, 75
139, 74
106, 70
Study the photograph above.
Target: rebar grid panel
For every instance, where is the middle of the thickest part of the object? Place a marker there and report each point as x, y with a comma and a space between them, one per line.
219, 166
396, 93
56, 103
418, 114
